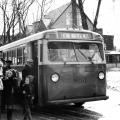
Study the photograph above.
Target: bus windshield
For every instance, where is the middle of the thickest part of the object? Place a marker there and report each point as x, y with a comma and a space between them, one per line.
75, 52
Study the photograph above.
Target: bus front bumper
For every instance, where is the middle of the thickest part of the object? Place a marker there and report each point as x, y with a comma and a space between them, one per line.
64, 101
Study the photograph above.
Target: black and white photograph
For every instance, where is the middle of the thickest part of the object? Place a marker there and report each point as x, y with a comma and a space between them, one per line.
59, 60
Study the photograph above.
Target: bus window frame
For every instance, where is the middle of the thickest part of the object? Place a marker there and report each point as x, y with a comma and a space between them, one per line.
14, 51
24, 54
40, 52
20, 55
82, 41
23, 46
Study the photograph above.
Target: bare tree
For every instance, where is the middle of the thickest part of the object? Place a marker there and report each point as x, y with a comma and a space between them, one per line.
14, 15
14, 12
44, 7
3, 6
22, 12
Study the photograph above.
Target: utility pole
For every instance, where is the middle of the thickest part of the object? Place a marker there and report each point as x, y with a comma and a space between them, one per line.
74, 14
83, 16
96, 16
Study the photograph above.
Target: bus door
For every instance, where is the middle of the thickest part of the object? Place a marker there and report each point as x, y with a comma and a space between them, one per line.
40, 73
34, 48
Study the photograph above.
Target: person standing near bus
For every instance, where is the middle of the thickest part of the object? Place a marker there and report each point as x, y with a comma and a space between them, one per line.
9, 77
27, 87
1, 85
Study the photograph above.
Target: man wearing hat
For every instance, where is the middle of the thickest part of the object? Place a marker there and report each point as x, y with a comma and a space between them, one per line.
8, 82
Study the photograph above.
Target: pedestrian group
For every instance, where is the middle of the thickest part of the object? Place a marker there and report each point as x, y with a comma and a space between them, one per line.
9, 85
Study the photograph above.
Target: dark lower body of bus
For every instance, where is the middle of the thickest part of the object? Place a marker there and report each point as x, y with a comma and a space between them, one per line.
71, 83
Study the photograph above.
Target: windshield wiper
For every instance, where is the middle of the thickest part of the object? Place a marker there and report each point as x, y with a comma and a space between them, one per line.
82, 54
75, 52
87, 58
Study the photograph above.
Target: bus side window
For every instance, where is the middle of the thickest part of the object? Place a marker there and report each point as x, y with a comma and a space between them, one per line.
4, 55
24, 54
14, 57
9, 55
19, 56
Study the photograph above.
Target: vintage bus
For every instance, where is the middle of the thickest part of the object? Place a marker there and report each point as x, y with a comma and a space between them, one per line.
70, 65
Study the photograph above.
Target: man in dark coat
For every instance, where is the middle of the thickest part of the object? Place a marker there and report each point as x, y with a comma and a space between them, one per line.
28, 69
9, 77
27, 87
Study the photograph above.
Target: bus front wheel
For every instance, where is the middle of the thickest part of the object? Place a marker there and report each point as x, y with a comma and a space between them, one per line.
79, 104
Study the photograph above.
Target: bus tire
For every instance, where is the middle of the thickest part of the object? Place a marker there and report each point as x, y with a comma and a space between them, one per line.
79, 104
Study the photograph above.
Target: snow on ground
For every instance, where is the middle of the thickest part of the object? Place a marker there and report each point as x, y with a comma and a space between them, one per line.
109, 109
113, 79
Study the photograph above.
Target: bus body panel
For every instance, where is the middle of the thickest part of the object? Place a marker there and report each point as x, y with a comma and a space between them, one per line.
76, 82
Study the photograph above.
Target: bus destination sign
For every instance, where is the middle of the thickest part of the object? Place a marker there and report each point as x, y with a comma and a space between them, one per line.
71, 35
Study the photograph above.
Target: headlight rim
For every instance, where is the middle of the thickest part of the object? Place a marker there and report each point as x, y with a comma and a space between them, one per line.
99, 76
54, 75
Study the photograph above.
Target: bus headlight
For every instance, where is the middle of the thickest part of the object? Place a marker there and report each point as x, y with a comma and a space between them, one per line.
101, 75
55, 77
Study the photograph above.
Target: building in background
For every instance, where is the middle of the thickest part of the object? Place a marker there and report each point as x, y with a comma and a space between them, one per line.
36, 27
62, 17
108, 40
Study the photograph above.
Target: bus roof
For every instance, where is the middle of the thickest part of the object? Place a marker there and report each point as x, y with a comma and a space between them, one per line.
42, 34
